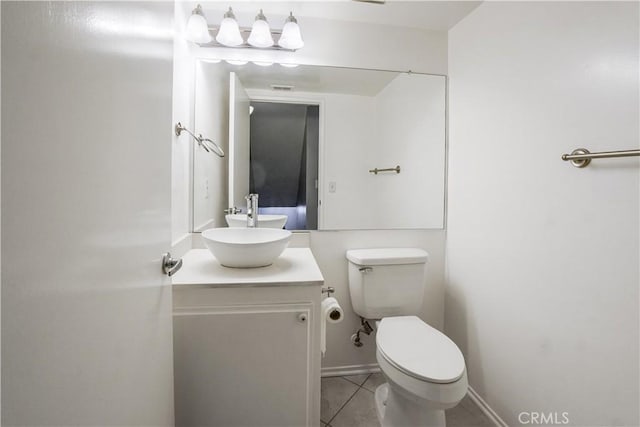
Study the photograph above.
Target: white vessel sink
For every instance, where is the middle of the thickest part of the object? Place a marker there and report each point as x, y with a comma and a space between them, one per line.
246, 247
264, 221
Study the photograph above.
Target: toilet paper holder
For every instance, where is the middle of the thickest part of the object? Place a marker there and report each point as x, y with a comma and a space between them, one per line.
328, 290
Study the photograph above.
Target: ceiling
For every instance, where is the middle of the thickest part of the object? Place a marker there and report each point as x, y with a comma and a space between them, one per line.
306, 78
426, 15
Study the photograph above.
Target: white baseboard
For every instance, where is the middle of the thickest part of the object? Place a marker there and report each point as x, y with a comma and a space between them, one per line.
486, 409
339, 371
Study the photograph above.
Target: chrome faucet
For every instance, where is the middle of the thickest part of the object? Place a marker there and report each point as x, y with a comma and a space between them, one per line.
252, 210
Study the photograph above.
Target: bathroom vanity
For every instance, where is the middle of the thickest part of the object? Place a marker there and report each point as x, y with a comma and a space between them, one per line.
246, 342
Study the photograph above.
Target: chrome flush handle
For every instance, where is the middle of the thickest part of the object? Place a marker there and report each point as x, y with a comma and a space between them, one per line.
169, 265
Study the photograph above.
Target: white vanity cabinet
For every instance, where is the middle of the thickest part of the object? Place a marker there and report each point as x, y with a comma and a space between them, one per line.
246, 342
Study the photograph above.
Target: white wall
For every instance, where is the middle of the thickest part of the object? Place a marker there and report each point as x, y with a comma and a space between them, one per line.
210, 172
182, 146
365, 46
410, 132
345, 161
542, 257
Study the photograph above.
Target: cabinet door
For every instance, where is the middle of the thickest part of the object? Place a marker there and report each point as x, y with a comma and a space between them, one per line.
243, 366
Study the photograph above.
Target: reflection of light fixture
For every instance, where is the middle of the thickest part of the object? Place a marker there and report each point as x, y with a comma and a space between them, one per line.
251, 109
229, 32
235, 61
263, 63
260, 32
197, 29
291, 37
289, 65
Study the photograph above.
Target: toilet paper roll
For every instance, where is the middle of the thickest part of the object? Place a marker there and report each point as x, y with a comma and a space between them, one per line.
330, 312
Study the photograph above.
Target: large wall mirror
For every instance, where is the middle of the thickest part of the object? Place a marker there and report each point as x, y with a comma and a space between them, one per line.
330, 148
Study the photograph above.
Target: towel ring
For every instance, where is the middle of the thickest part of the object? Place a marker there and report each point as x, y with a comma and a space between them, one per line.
208, 145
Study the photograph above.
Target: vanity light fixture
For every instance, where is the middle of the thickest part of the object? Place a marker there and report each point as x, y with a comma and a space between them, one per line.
260, 32
229, 31
291, 37
230, 34
197, 28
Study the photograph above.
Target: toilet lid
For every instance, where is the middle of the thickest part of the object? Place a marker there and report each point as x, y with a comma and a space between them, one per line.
419, 350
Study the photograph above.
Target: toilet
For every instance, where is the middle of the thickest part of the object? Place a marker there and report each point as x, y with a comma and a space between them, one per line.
424, 369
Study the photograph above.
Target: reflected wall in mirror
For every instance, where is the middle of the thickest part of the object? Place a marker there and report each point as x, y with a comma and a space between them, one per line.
314, 140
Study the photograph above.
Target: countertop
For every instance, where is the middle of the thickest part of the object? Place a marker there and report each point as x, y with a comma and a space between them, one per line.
296, 266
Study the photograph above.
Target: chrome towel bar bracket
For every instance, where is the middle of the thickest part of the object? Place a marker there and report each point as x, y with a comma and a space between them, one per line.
581, 157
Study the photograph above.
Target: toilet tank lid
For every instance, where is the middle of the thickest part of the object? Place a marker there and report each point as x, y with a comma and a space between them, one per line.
387, 256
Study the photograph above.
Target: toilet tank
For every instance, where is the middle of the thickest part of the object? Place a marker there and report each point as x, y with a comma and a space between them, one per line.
386, 281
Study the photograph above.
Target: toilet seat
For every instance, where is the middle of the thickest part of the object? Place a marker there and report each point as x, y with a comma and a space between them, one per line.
419, 350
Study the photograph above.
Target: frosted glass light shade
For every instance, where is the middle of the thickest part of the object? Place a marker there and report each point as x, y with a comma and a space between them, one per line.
197, 27
229, 32
260, 32
291, 37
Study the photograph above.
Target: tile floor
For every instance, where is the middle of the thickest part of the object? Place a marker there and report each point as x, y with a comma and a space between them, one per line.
348, 402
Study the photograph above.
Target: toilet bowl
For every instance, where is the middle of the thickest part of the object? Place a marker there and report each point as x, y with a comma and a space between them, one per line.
425, 373
424, 369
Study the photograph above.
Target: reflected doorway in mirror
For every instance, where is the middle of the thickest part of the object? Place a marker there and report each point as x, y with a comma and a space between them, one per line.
283, 161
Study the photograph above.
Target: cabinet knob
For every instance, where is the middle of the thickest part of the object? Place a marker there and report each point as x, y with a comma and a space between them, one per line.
302, 317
